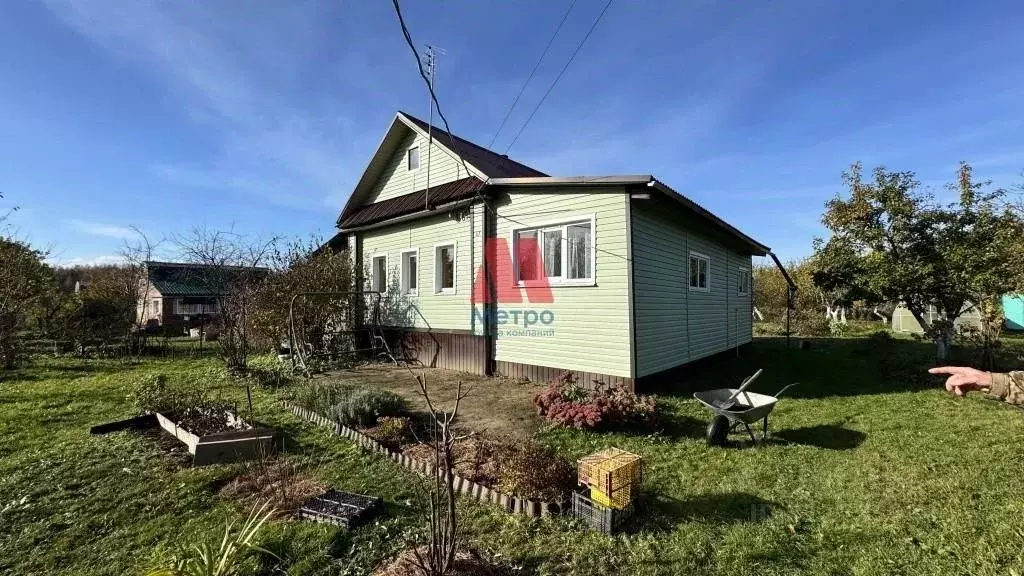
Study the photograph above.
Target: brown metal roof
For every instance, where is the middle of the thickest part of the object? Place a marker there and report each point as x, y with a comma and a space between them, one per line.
414, 202
491, 163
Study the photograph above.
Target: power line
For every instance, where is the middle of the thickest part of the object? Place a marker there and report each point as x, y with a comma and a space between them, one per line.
430, 85
559, 77
532, 73
448, 130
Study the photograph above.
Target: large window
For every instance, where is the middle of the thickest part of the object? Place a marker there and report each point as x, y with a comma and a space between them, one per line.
563, 253
444, 269
413, 158
699, 270
743, 281
379, 273
410, 271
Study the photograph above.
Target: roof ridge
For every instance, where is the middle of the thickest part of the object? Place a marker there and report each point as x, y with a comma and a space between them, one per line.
463, 141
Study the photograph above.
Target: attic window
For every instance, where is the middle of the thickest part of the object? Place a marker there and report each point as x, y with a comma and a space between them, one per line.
414, 158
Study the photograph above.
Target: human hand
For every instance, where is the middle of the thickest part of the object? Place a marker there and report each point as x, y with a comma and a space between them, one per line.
962, 379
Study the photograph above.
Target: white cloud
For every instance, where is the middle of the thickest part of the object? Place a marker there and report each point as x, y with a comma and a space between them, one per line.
104, 230
239, 78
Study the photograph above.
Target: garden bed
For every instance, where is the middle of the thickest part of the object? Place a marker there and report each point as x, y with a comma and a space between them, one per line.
215, 435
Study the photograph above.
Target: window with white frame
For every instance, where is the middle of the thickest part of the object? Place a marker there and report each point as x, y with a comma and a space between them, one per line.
413, 158
743, 281
410, 272
699, 271
155, 307
379, 273
444, 269
563, 253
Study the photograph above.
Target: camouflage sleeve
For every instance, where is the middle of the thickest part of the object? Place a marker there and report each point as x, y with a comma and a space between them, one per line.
1008, 387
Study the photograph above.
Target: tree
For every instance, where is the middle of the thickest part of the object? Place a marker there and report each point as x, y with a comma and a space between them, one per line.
231, 267
322, 319
837, 273
25, 281
907, 248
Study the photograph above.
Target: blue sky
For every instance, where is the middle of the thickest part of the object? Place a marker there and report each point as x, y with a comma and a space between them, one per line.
261, 115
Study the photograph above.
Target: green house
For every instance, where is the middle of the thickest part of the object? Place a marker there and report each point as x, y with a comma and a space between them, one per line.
489, 266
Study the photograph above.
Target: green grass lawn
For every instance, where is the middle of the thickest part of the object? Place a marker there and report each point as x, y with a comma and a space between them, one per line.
873, 470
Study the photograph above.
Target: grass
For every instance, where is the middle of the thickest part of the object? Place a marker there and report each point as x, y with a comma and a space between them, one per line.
873, 470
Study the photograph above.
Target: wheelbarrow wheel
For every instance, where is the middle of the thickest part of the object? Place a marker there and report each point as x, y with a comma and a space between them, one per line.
718, 431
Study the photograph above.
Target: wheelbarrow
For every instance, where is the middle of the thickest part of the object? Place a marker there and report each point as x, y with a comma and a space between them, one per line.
736, 407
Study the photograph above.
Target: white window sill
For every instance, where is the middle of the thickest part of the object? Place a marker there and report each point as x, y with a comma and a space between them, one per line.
445, 292
558, 284
694, 289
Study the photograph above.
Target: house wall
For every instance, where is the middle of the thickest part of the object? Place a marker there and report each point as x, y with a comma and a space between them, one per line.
397, 179
675, 325
425, 310
590, 330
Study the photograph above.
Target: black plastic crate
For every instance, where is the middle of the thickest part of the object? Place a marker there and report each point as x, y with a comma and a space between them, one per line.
598, 517
339, 508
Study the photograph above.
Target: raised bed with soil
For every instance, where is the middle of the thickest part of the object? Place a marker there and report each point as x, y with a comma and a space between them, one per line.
217, 435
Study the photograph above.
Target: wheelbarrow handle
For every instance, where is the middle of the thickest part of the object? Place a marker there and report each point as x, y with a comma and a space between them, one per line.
784, 388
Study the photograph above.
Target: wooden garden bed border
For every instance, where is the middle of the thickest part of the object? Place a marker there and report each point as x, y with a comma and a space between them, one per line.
464, 486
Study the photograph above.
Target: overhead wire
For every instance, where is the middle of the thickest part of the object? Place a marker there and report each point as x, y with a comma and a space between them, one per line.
560, 74
437, 105
532, 73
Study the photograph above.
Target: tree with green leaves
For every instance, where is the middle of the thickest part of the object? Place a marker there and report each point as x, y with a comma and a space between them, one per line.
894, 240
25, 281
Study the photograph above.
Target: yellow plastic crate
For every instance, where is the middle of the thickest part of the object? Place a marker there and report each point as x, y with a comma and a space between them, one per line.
612, 476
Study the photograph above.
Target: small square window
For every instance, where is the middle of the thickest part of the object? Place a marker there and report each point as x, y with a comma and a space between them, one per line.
410, 272
379, 274
413, 158
699, 266
444, 269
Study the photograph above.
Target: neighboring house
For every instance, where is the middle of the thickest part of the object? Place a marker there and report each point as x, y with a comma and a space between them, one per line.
185, 295
903, 320
497, 268
1013, 316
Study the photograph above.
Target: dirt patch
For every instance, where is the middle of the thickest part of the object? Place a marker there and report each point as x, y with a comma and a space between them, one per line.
495, 408
475, 459
278, 481
468, 563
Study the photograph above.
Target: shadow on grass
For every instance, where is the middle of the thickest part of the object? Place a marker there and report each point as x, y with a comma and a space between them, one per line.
658, 513
827, 367
828, 436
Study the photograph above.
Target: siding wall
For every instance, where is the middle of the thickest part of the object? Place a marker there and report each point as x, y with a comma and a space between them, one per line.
427, 309
674, 324
591, 323
397, 179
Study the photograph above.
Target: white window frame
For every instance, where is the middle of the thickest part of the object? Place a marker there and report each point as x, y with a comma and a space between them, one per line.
373, 271
404, 280
455, 269
561, 224
743, 272
408, 157
689, 273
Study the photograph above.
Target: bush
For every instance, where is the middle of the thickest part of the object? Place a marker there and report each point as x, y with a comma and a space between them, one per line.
365, 405
535, 472
392, 431
809, 323
566, 403
350, 405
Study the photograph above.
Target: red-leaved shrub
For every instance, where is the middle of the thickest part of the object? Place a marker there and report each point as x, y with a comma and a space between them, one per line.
566, 403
